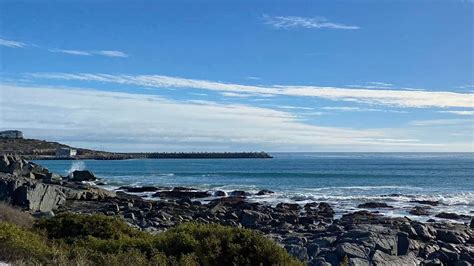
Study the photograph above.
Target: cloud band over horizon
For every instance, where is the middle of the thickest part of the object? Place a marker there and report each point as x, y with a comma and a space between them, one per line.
388, 97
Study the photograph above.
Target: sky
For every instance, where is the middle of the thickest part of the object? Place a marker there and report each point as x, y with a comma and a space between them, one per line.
321, 76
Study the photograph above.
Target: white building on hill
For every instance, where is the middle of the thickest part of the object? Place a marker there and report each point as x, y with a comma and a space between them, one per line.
65, 153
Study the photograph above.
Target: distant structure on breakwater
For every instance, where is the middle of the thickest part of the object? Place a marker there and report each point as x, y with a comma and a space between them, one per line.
34, 149
11, 134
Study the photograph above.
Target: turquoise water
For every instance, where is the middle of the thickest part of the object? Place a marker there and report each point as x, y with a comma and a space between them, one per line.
343, 179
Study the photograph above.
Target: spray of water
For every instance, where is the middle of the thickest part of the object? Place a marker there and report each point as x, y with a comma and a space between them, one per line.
76, 165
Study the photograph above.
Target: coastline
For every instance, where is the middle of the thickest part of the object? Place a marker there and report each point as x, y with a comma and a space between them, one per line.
33, 149
310, 232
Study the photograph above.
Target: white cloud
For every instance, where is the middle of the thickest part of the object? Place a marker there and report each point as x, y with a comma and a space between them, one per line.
388, 97
111, 53
71, 52
253, 78
458, 112
12, 44
294, 107
108, 53
358, 109
149, 122
382, 84
287, 22
442, 122
233, 94
89, 53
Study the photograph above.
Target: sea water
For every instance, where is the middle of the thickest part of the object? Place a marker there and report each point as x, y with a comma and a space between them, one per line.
344, 180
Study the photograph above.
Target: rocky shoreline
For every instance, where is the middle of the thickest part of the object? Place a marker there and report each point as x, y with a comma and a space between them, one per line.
309, 232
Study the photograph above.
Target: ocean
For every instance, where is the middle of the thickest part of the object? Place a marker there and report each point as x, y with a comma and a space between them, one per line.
342, 179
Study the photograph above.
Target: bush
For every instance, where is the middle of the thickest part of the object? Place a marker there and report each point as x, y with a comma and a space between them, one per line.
71, 226
221, 245
100, 240
17, 243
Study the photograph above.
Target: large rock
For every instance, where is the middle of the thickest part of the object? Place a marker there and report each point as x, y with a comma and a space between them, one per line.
382, 259
297, 251
30, 194
82, 175
352, 250
252, 218
452, 236
139, 189
452, 216
179, 193
420, 210
426, 232
86, 193
19, 167
264, 192
373, 205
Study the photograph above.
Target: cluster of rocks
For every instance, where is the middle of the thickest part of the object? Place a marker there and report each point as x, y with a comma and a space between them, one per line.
309, 232
35, 188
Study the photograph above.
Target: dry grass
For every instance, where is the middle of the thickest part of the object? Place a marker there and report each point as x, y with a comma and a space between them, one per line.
15, 216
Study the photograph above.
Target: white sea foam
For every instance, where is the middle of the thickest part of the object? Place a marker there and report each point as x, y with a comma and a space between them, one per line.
76, 165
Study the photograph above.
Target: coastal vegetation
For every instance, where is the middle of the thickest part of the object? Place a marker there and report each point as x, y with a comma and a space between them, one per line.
98, 240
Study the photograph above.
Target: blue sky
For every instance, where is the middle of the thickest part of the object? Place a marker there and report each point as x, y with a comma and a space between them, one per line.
240, 75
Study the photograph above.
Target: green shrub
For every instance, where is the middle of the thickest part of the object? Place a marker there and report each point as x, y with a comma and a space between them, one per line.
100, 240
18, 243
221, 245
75, 226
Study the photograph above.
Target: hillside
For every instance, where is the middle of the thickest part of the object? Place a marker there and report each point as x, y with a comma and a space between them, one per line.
41, 149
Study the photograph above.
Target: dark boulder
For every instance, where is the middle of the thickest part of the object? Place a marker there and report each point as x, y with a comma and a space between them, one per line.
177, 193
381, 258
264, 192
352, 250
452, 236
140, 189
426, 202
220, 193
359, 217
420, 210
449, 215
82, 175
426, 232
238, 193
228, 201
288, 206
373, 205
251, 218
297, 251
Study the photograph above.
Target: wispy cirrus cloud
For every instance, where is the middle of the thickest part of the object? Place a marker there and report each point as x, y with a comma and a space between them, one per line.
288, 22
111, 53
108, 53
71, 52
387, 97
358, 109
12, 44
457, 112
442, 122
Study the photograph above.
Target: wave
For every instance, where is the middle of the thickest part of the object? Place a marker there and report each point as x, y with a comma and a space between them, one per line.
363, 188
76, 166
